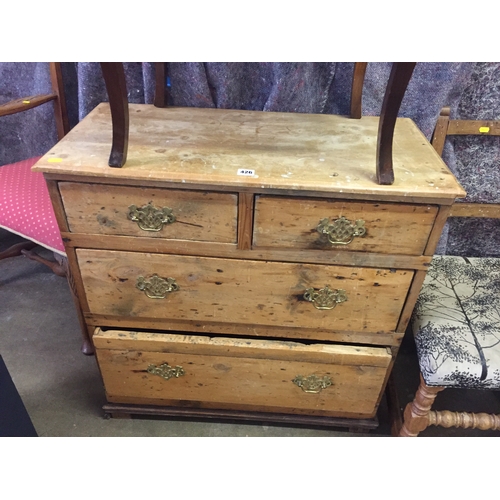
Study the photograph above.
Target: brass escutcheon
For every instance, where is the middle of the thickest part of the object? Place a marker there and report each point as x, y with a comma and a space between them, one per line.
166, 371
341, 231
156, 287
150, 218
324, 298
312, 384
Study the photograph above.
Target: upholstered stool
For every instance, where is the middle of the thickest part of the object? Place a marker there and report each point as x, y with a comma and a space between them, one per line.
456, 324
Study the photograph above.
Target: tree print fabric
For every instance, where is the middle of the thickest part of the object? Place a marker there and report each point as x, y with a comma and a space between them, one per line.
456, 323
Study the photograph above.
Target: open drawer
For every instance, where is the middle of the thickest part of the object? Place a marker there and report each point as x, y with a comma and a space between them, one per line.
241, 374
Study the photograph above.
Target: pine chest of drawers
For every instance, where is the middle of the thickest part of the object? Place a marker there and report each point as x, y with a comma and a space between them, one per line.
246, 263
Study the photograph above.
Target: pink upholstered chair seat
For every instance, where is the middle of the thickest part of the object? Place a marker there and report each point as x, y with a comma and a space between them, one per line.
25, 206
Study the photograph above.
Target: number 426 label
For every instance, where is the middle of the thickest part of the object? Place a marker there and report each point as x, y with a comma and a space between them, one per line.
246, 171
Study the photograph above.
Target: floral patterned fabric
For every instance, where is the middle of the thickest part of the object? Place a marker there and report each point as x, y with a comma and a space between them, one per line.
457, 323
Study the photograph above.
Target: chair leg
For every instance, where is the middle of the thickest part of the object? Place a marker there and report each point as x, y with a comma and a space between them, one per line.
398, 81
416, 414
87, 346
55, 266
116, 86
15, 250
465, 420
60, 268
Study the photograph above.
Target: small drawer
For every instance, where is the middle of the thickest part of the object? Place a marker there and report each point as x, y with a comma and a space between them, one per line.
159, 213
289, 296
254, 375
304, 223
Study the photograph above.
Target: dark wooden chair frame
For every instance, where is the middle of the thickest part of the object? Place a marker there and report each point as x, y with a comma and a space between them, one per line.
60, 268
62, 125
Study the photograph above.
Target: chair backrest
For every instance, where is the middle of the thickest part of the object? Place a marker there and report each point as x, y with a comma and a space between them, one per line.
446, 127
358, 77
56, 96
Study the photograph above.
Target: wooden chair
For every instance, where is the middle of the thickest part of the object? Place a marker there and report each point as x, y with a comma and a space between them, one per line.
25, 206
456, 321
400, 76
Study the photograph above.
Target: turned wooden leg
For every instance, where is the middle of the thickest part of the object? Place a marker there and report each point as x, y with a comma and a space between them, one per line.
464, 420
87, 346
395, 91
17, 249
56, 267
416, 414
116, 85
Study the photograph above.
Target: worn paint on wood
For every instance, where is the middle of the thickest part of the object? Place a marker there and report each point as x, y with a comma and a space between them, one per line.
249, 330
287, 151
341, 354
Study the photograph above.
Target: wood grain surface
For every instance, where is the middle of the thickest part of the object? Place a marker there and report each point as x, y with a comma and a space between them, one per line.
390, 227
242, 291
257, 374
103, 209
290, 151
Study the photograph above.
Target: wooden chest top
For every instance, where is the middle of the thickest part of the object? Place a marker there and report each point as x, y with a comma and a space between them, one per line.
327, 155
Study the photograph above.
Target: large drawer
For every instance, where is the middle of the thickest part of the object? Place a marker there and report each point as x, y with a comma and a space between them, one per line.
230, 291
255, 375
106, 209
306, 223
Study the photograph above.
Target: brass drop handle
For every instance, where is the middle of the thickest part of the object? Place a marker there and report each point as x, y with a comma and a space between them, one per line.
312, 384
156, 287
341, 231
150, 218
166, 371
325, 298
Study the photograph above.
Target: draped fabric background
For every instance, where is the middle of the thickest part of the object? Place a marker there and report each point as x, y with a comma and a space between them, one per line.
472, 90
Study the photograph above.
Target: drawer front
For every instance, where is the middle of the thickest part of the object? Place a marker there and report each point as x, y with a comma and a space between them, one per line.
162, 369
236, 292
159, 213
302, 223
